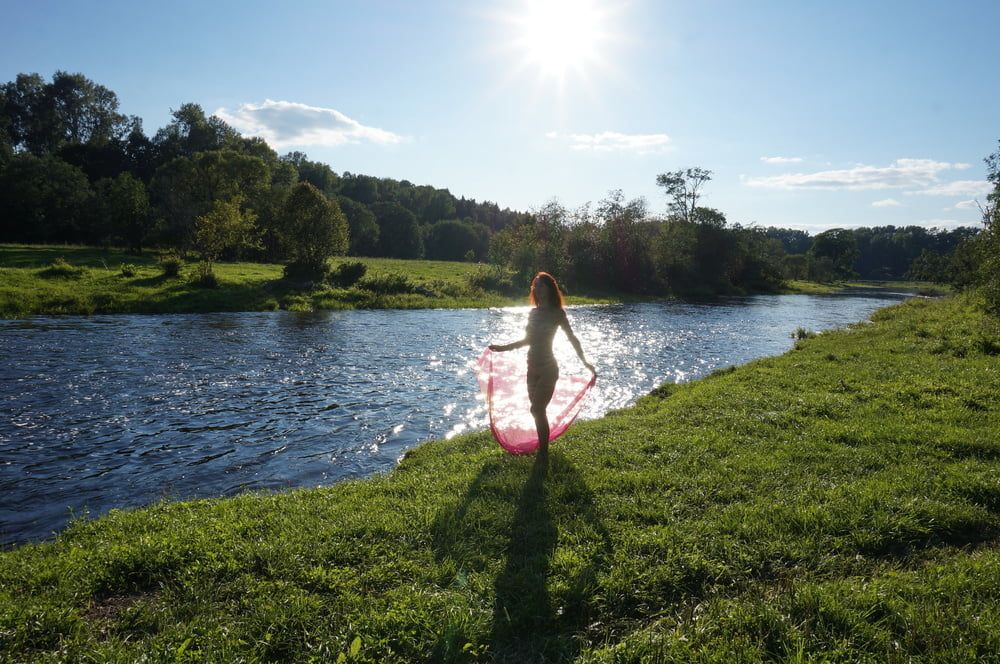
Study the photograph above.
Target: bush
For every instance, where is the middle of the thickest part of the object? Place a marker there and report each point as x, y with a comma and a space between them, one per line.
300, 303
204, 277
493, 280
389, 283
171, 265
305, 271
346, 275
128, 270
60, 267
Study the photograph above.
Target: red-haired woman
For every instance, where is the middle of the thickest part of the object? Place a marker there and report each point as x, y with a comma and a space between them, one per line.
543, 371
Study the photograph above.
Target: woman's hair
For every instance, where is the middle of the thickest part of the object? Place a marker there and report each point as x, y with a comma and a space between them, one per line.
550, 281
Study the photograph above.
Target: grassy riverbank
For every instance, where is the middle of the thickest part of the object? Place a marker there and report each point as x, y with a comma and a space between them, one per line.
95, 283
28, 286
839, 502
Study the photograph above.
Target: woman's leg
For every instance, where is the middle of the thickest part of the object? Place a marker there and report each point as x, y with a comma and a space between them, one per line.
541, 386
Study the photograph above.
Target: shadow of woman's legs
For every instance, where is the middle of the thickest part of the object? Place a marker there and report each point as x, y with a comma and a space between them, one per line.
522, 612
512, 513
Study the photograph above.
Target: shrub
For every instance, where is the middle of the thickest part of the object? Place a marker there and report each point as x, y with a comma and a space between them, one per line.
171, 265
300, 303
389, 283
60, 267
493, 280
346, 275
128, 270
802, 333
204, 276
305, 271
438, 287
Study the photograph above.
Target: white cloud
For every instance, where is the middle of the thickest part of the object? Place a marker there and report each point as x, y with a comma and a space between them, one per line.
967, 205
942, 223
957, 188
781, 160
899, 174
286, 123
613, 141
887, 202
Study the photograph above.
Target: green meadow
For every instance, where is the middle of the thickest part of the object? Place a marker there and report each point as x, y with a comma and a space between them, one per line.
95, 283
840, 502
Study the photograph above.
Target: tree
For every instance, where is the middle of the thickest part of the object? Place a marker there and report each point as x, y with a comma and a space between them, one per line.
85, 112
361, 188
674, 254
793, 241
988, 277
628, 264
191, 132
42, 117
585, 247
43, 199
226, 227
123, 209
312, 230
363, 228
399, 234
795, 266
840, 246
186, 188
930, 266
452, 239
140, 153
708, 216
315, 173
683, 188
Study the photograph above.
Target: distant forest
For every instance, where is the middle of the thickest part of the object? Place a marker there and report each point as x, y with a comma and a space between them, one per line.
74, 169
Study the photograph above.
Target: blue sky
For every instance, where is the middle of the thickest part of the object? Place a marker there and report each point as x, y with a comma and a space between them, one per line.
811, 115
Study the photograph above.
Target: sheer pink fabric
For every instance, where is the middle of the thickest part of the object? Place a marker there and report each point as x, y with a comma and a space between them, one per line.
503, 380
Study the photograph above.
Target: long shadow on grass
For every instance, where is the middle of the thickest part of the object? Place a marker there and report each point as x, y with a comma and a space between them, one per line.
515, 510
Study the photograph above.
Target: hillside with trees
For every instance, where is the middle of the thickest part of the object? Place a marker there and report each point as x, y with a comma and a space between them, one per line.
75, 169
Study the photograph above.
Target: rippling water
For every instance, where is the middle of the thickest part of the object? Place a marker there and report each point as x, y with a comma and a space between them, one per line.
119, 411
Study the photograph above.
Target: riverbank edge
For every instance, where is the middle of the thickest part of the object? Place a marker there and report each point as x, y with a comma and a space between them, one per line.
100, 281
778, 561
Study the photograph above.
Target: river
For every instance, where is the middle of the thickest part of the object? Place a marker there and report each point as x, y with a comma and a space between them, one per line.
122, 410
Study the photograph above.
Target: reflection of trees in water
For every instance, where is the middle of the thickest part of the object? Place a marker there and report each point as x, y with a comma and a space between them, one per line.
510, 520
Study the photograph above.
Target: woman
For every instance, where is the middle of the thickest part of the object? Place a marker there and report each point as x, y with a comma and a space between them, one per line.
543, 371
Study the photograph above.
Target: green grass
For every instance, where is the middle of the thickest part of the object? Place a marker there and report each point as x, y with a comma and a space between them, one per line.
816, 288
28, 286
838, 503
91, 281
921, 287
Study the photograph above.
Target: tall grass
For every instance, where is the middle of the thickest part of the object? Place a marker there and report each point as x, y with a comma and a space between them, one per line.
837, 503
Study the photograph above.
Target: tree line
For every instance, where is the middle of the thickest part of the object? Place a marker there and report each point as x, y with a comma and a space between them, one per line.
74, 169
693, 249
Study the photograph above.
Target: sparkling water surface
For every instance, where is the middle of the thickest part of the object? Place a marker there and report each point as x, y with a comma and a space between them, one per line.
117, 411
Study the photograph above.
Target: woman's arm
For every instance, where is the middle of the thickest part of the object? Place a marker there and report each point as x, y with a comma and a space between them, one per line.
576, 343
499, 348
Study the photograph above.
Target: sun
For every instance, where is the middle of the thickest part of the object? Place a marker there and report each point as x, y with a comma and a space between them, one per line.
558, 37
